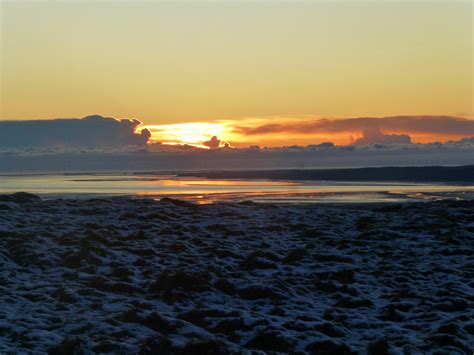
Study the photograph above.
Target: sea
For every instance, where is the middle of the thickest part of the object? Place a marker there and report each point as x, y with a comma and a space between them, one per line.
202, 190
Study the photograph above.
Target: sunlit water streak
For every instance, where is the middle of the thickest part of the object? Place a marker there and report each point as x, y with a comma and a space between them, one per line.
207, 191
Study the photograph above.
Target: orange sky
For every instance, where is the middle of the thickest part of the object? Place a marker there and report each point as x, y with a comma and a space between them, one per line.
226, 65
278, 131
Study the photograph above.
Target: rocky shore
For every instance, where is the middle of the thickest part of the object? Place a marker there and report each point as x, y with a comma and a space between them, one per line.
138, 276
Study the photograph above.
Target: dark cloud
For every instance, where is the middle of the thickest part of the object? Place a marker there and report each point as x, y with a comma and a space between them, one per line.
215, 143
91, 131
173, 157
374, 136
212, 143
444, 125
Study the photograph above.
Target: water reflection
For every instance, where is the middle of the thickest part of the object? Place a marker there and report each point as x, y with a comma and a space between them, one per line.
209, 191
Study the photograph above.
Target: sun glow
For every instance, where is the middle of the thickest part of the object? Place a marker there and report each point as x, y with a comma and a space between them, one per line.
187, 133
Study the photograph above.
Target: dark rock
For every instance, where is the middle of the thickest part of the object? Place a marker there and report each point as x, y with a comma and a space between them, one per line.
230, 326
62, 295
204, 347
442, 340
200, 316
450, 328
5, 207
329, 329
255, 292
156, 345
153, 321
452, 305
69, 346
390, 208
181, 203
364, 223
391, 314
297, 326
269, 340
378, 347
469, 328
295, 255
254, 261
19, 197
325, 286
328, 347
333, 258
105, 346
354, 303
225, 286
194, 282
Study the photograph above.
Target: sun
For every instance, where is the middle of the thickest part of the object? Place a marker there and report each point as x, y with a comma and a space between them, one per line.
186, 133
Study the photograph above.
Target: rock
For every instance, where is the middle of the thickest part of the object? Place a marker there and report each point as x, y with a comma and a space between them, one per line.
333, 258
329, 329
454, 305
156, 345
354, 303
69, 346
170, 281
175, 202
269, 340
153, 321
325, 286
105, 346
450, 328
469, 328
255, 292
204, 347
253, 261
442, 340
229, 326
391, 314
200, 317
378, 347
6, 206
328, 347
225, 286
19, 197
295, 255
62, 295
364, 223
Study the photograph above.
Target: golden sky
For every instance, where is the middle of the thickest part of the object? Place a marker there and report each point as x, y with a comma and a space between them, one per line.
190, 61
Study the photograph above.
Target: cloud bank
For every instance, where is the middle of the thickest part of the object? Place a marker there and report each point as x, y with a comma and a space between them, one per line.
176, 157
374, 136
411, 125
90, 131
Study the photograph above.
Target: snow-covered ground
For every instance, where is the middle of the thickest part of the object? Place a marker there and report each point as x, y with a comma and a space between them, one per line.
125, 275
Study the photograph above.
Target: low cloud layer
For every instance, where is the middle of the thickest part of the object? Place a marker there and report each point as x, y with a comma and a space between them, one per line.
412, 125
173, 157
374, 136
91, 131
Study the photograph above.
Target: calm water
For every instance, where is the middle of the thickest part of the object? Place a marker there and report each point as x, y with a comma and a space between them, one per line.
206, 191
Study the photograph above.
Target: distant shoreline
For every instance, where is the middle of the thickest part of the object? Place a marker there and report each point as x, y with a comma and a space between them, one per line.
460, 174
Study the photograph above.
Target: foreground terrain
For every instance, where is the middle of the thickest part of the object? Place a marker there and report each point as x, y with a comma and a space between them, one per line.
129, 275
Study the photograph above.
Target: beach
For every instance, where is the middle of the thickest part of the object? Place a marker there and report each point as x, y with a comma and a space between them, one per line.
134, 275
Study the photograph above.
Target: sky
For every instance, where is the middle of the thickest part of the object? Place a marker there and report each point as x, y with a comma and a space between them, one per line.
224, 66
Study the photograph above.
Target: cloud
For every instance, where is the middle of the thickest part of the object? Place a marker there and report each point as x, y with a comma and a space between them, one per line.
166, 157
374, 136
421, 125
91, 131
215, 143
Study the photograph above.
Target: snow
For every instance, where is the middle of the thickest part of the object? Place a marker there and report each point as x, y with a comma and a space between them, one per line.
135, 275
